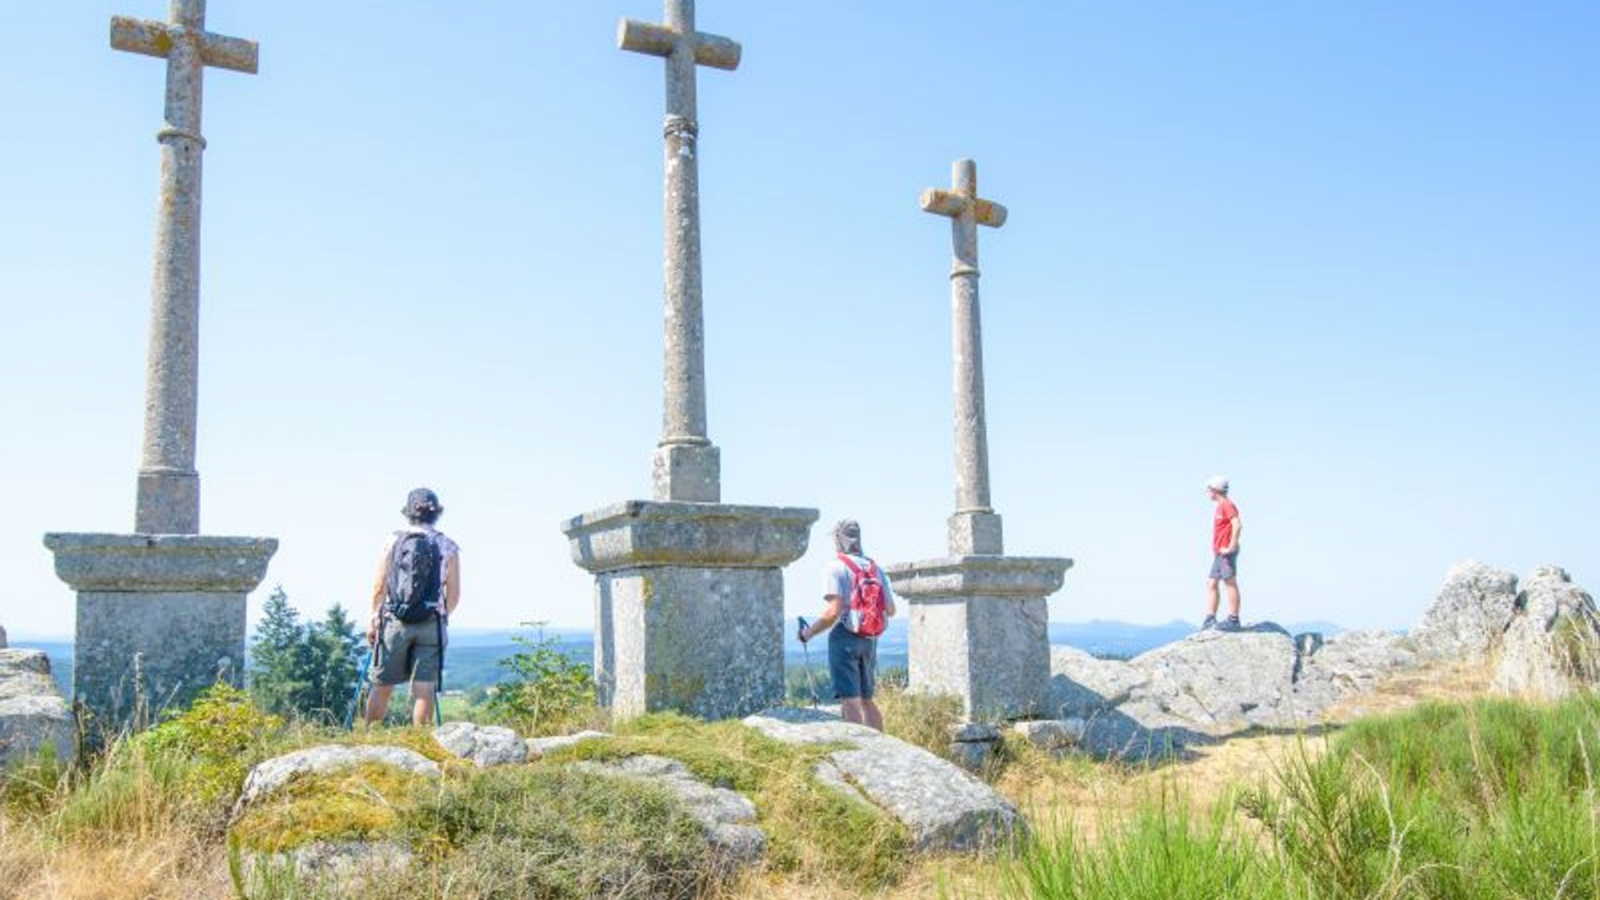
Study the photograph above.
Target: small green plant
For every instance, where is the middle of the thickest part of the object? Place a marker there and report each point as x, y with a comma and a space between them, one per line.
222, 735
545, 688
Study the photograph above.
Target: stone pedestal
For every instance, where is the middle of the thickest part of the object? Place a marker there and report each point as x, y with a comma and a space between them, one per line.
169, 607
689, 603
979, 630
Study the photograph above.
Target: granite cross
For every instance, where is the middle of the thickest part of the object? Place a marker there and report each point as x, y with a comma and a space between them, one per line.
686, 464
169, 486
975, 528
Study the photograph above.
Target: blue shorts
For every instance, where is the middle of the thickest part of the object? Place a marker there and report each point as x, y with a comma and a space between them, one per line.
1225, 566
852, 661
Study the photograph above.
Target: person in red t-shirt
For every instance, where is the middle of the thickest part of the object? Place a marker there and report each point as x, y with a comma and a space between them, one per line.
1225, 530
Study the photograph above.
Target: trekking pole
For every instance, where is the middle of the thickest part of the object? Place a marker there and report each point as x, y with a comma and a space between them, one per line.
361, 682
438, 690
805, 647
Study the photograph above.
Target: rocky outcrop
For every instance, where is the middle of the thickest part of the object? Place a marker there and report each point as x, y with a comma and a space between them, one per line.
1471, 611
1212, 684
273, 774
485, 745
943, 807
727, 816
1082, 684
33, 714
2, 637
1551, 646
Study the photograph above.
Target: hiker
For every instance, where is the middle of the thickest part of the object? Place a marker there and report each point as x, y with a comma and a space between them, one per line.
860, 600
1225, 528
418, 587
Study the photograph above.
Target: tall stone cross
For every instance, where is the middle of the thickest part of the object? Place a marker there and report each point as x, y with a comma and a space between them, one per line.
686, 465
975, 527
169, 486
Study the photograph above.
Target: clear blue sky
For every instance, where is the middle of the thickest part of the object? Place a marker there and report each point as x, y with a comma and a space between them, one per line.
1343, 252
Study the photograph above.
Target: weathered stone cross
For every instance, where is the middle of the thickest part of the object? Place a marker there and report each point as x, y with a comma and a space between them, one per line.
169, 486
686, 465
975, 527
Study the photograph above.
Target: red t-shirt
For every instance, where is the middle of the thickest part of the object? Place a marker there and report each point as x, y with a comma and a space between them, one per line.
1222, 526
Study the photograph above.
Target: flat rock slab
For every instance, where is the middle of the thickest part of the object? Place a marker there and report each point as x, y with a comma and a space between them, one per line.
538, 747
727, 816
345, 868
33, 714
944, 808
485, 745
274, 774
1051, 734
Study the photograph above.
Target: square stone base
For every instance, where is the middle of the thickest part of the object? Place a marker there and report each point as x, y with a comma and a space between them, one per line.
170, 645
160, 617
704, 641
992, 652
689, 603
979, 630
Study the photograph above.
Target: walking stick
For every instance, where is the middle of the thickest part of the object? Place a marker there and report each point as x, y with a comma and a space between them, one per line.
361, 682
805, 647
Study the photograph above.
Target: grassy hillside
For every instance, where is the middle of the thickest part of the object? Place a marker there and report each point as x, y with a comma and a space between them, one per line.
1461, 797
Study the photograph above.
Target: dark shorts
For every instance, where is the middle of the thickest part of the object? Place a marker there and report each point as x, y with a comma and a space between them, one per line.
852, 661
413, 652
1225, 567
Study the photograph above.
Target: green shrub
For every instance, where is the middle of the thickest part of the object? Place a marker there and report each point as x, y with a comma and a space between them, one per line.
545, 688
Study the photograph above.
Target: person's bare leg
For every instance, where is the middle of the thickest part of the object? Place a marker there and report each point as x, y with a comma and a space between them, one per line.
1233, 596
422, 709
378, 703
872, 717
850, 708
1211, 597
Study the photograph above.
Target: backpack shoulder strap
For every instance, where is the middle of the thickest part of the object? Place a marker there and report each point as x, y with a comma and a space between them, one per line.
855, 570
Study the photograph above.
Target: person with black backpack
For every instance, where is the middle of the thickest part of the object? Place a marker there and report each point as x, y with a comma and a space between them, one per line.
860, 601
417, 588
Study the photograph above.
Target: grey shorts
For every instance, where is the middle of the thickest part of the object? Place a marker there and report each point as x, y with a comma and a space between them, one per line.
852, 661
409, 652
1225, 567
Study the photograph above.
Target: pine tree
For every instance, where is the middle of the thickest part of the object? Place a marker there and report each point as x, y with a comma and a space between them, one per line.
333, 647
277, 656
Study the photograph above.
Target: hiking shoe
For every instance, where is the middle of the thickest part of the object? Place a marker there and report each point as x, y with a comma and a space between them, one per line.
1209, 623
1231, 623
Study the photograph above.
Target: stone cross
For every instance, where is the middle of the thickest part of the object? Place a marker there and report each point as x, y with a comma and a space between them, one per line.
169, 486
686, 465
975, 527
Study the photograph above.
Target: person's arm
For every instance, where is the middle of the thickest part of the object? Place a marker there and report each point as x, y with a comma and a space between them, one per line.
452, 585
830, 615
1235, 527
380, 587
888, 596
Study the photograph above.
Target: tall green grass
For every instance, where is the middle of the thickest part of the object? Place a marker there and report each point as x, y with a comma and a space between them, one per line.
1491, 800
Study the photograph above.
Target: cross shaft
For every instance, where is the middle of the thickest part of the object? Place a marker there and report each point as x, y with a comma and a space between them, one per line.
686, 466
975, 527
169, 487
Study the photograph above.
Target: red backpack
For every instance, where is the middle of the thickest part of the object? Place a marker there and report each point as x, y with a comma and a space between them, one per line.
866, 597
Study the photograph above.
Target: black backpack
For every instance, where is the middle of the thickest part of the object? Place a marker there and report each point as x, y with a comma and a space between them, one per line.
413, 593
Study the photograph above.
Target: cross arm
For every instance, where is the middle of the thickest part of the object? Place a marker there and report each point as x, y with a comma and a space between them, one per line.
155, 39
657, 40
953, 204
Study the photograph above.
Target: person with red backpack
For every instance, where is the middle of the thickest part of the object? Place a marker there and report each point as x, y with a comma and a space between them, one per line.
418, 587
860, 601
